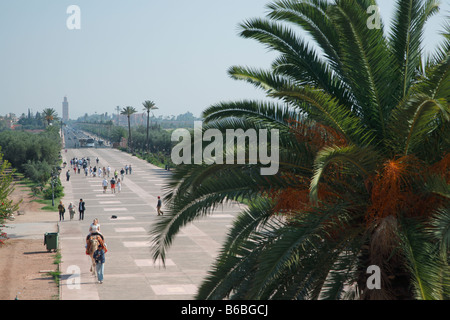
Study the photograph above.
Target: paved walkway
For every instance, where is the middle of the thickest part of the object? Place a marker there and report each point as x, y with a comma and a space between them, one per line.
129, 270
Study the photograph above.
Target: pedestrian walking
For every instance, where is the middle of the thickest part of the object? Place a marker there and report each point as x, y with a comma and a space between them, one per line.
126, 169
71, 208
119, 185
61, 210
158, 206
129, 168
68, 175
108, 170
113, 185
81, 209
99, 258
105, 185
122, 173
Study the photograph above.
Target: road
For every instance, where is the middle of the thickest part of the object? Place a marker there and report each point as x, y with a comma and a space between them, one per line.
130, 273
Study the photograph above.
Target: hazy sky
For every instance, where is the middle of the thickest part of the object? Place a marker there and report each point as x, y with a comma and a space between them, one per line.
175, 53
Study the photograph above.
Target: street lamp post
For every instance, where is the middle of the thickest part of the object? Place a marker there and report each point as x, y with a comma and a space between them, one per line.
53, 190
53, 179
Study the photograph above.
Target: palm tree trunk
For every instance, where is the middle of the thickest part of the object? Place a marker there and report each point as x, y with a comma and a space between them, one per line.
129, 133
148, 119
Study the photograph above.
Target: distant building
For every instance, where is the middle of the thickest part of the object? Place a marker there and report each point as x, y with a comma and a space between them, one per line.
65, 110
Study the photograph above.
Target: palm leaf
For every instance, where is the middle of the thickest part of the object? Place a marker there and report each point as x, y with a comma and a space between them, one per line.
368, 63
238, 255
422, 260
323, 108
364, 159
406, 37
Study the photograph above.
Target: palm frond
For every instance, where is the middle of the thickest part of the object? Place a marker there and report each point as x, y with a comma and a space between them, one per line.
300, 62
323, 108
238, 254
422, 260
417, 118
406, 38
368, 63
363, 159
312, 16
259, 78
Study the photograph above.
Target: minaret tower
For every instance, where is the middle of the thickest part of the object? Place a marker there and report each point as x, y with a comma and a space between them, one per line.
65, 109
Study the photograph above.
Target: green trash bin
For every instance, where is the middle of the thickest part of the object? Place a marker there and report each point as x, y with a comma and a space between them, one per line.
51, 241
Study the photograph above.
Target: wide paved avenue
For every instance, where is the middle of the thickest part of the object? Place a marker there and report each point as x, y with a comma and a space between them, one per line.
130, 273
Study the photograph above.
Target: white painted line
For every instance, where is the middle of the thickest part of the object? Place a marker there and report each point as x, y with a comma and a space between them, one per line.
150, 263
138, 229
136, 244
115, 209
123, 275
221, 216
123, 218
174, 289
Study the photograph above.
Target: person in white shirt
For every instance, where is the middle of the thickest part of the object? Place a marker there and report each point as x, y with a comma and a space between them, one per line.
105, 185
94, 227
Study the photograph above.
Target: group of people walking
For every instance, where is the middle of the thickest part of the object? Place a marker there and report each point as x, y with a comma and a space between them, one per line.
83, 165
71, 207
115, 183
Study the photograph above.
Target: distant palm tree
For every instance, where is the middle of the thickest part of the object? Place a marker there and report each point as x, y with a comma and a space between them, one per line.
148, 106
128, 111
49, 115
364, 175
109, 124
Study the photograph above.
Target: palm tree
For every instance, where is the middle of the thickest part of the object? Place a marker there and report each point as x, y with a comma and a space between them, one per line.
49, 115
109, 124
128, 111
364, 175
148, 106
